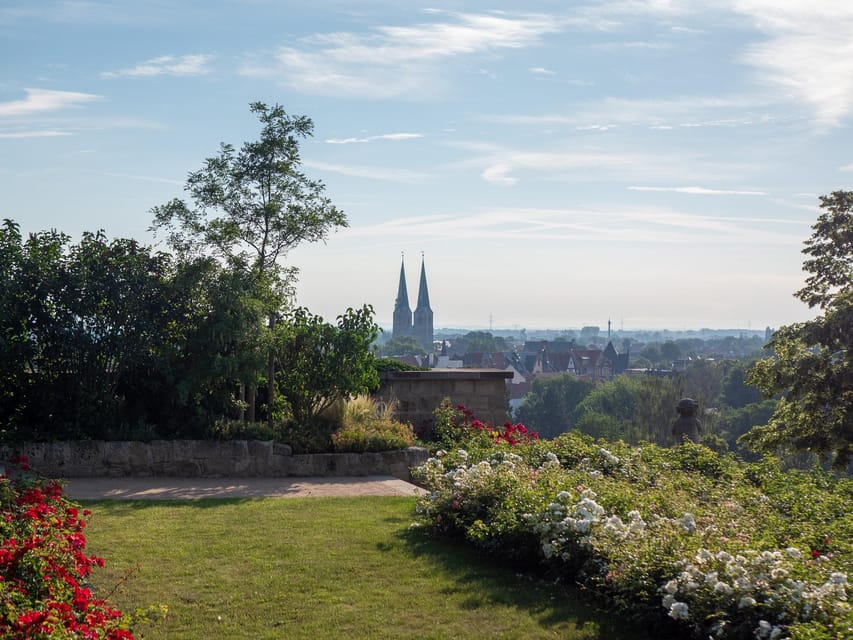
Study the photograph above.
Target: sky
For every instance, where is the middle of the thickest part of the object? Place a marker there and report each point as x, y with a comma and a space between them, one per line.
656, 163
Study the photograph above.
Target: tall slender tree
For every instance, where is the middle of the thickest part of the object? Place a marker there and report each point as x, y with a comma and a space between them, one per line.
252, 206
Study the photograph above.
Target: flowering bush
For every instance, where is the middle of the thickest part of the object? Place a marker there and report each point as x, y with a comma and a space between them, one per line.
456, 426
43, 565
689, 542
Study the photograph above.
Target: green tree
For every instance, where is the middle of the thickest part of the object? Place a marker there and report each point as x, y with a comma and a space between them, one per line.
251, 207
402, 346
630, 408
323, 362
737, 393
670, 351
77, 321
484, 342
549, 408
812, 365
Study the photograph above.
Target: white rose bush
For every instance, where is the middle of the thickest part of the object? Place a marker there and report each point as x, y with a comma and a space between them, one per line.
682, 540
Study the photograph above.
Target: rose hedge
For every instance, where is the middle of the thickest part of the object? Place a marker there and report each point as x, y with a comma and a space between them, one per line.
683, 540
44, 565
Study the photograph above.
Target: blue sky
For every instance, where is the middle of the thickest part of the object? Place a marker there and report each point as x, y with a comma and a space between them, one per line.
655, 162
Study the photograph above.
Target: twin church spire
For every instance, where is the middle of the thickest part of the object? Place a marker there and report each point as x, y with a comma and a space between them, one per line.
418, 324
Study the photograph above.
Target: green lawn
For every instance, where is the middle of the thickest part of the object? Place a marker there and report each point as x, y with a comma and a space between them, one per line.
318, 568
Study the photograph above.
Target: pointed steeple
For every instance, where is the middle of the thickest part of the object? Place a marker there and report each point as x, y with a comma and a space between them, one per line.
423, 292
402, 311
423, 318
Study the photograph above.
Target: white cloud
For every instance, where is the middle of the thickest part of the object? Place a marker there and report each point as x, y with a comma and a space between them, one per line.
392, 61
541, 71
702, 191
188, 65
33, 134
808, 52
43, 100
657, 113
385, 136
502, 166
373, 173
634, 226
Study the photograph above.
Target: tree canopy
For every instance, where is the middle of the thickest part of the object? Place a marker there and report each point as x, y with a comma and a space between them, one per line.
251, 207
812, 363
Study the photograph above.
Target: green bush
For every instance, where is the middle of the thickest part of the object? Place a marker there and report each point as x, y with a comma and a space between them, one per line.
681, 539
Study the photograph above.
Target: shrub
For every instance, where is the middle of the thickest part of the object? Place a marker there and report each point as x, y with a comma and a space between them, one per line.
456, 426
43, 566
682, 540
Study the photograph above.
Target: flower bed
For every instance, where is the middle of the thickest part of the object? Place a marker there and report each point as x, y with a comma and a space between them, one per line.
680, 539
43, 565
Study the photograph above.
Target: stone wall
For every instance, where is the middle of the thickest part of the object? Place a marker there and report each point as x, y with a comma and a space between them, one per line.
418, 393
204, 458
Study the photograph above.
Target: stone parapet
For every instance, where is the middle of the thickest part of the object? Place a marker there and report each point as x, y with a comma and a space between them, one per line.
418, 393
205, 458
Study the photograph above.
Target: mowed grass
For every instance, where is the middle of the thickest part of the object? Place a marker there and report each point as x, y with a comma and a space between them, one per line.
318, 568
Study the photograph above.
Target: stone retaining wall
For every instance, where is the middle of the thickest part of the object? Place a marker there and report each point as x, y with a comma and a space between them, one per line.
205, 458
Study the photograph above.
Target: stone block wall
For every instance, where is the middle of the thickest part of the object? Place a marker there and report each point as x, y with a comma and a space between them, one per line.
418, 393
205, 458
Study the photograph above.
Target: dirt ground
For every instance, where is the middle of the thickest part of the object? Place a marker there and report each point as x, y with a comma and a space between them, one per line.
198, 488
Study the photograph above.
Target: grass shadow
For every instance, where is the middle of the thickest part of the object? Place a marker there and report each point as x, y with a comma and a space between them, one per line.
488, 581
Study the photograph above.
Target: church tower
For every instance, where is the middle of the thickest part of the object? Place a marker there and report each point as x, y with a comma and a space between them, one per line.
402, 311
423, 324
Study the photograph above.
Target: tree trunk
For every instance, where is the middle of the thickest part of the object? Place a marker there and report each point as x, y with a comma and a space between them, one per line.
271, 377
252, 396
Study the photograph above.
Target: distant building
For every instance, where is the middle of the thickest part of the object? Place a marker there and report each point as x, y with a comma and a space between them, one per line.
420, 323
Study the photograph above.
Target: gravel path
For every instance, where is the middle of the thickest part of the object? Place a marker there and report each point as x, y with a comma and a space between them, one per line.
198, 488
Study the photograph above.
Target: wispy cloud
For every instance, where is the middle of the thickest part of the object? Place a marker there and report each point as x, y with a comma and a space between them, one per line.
808, 52
393, 61
33, 134
702, 191
657, 113
541, 71
637, 226
168, 65
372, 173
385, 136
45, 100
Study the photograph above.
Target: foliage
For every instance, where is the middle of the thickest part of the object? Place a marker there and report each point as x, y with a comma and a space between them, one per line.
323, 362
402, 346
737, 392
456, 426
252, 207
108, 339
630, 408
734, 423
551, 405
682, 540
812, 365
390, 364
484, 342
44, 566
76, 322
367, 424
